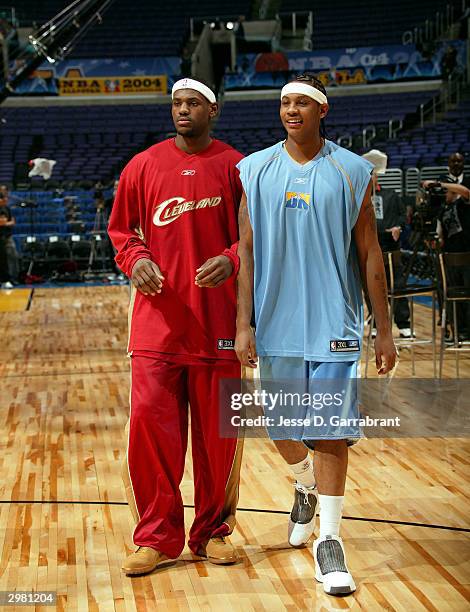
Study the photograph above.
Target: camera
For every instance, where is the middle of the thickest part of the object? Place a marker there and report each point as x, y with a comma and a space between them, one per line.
98, 195
429, 206
430, 203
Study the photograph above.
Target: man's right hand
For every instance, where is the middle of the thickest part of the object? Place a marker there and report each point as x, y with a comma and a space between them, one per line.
431, 183
245, 347
146, 277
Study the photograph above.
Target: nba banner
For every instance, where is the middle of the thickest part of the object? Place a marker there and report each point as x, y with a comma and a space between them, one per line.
44, 81
112, 85
353, 66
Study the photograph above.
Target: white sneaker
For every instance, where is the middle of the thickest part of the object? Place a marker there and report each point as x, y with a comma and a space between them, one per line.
7, 285
302, 516
330, 566
405, 332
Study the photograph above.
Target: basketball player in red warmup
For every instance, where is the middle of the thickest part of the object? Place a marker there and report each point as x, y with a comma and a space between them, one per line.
174, 225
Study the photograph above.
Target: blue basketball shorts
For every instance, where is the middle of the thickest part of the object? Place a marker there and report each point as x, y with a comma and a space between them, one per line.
309, 400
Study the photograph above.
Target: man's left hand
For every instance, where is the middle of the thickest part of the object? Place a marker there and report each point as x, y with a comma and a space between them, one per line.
385, 352
214, 272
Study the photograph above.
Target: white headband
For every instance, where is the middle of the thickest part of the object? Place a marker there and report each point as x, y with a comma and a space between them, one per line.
307, 90
196, 85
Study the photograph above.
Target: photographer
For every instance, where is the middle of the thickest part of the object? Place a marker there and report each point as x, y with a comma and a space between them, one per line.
108, 203
454, 230
8, 253
98, 194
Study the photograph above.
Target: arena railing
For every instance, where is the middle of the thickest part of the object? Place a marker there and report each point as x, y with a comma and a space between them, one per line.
411, 181
298, 21
434, 28
392, 179
414, 176
449, 95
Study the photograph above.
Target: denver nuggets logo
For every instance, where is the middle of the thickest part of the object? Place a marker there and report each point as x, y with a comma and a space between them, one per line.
295, 199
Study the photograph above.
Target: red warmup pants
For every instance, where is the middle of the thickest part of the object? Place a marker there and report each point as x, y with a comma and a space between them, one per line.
158, 435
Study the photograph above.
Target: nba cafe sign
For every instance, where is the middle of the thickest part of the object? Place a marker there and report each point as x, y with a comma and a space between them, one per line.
353, 58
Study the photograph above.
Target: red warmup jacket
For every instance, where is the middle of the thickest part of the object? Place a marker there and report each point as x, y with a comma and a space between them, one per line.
179, 210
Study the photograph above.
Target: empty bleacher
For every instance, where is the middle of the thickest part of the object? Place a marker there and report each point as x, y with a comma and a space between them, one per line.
59, 230
431, 145
251, 125
131, 29
93, 143
88, 143
342, 23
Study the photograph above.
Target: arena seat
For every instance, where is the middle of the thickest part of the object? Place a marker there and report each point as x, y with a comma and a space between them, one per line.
343, 23
130, 30
431, 145
108, 135
251, 125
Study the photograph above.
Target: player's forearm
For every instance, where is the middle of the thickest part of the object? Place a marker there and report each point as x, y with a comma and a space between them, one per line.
244, 286
460, 190
125, 222
376, 285
129, 245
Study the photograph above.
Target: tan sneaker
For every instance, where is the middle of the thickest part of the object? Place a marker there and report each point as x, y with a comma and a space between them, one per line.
143, 561
219, 551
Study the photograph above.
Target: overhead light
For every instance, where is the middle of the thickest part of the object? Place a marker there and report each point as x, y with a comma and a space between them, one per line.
229, 25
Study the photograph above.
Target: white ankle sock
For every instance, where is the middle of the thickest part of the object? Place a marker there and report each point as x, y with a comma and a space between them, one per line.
331, 507
303, 471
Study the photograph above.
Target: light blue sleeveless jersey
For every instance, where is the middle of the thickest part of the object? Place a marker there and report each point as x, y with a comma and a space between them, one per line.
308, 299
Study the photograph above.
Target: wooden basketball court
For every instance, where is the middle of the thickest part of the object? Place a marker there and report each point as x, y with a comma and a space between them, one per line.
65, 527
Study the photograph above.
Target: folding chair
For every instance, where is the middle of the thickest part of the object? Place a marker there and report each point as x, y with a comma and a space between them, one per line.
452, 294
397, 291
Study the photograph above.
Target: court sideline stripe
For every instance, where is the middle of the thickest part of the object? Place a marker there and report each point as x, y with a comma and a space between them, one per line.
259, 510
75, 373
30, 299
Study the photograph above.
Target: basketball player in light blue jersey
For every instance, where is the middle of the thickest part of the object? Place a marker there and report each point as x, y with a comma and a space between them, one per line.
307, 238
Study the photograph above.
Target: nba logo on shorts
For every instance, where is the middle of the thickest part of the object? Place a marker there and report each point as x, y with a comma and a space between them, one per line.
298, 200
332, 345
